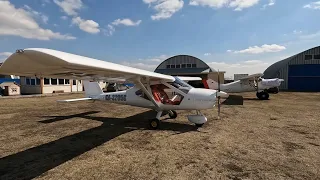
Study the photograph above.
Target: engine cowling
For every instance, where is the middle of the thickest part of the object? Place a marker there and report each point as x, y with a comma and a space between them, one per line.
197, 119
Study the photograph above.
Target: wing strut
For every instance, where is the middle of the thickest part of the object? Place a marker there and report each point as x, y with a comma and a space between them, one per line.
148, 93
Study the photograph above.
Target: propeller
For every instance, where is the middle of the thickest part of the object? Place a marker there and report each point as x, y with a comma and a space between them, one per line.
219, 94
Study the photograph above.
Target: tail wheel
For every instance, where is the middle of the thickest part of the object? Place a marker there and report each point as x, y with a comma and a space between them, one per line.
173, 114
154, 123
199, 125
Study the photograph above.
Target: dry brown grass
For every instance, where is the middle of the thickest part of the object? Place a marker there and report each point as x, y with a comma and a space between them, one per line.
275, 139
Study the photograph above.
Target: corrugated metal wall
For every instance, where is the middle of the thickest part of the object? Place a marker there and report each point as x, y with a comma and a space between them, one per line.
297, 59
183, 59
304, 77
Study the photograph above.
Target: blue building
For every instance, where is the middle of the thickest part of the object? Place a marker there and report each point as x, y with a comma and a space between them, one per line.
300, 72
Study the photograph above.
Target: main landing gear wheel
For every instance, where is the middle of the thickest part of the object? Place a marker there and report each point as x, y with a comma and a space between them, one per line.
263, 95
199, 125
173, 114
154, 123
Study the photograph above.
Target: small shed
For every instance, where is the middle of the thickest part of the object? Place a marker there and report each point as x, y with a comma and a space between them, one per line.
10, 88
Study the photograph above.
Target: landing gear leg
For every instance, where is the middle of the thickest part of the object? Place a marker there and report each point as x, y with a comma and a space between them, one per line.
173, 114
155, 123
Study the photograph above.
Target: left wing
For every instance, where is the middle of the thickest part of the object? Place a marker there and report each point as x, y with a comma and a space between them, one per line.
57, 64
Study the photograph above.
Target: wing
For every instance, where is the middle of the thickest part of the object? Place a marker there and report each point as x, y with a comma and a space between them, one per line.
251, 77
185, 78
57, 64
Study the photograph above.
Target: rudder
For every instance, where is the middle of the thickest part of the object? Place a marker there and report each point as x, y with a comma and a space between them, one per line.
92, 88
210, 84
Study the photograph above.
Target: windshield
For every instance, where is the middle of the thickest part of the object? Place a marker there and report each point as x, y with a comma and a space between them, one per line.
178, 83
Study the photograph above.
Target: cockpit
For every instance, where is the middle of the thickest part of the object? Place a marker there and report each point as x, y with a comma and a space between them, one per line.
168, 95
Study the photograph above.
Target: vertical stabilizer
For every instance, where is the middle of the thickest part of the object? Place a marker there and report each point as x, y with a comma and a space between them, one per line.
92, 89
211, 84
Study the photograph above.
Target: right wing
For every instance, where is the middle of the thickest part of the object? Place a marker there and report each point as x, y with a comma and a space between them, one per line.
185, 78
57, 64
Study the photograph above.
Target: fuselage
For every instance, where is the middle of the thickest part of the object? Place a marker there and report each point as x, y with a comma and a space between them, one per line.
194, 99
239, 86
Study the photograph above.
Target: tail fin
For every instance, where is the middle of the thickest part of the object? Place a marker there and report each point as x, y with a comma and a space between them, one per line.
210, 84
92, 89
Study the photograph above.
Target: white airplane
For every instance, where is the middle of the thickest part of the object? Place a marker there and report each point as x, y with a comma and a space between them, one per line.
162, 93
250, 83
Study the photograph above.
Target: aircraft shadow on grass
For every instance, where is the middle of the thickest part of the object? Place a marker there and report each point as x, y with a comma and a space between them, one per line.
35, 161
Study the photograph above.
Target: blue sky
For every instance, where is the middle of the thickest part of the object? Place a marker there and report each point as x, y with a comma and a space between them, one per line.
237, 36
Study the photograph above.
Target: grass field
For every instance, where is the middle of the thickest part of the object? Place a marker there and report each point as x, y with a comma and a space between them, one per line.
274, 139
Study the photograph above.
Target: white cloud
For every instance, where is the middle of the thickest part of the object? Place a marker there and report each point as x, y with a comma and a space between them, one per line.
89, 26
229, 50
20, 22
64, 17
313, 5
238, 5
157, 59
70, 7
252, 61
246, 67
207, 54
109, 30
297, 32
210, 3
5, 54
45, 2
271, 3
164, 8
311, 36
263, 49
36, 14
126, 22
242, 4
148, 67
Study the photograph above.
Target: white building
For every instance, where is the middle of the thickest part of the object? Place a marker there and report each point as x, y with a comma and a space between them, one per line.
51, 85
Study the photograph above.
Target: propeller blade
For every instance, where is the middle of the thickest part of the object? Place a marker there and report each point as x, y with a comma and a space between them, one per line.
219, 95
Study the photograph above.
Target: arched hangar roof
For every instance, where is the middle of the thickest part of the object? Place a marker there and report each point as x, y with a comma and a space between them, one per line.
274, 70
184, 64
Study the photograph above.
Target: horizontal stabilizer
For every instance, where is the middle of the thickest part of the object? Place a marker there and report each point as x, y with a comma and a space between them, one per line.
73, 100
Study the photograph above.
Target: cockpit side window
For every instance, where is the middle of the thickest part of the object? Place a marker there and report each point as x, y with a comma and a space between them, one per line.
140, 93
166, 95
181, 85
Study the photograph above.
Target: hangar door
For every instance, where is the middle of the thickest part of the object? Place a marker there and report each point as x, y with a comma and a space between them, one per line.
304, 77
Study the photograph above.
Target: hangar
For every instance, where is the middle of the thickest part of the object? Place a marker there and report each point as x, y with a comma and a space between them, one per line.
186, 65
301, 72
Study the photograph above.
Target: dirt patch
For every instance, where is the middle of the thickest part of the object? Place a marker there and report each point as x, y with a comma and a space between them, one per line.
275, 139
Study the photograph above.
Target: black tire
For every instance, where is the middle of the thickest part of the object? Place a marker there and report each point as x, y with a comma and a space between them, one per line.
172, 114
264, 96
154, 123
199, 125
258, 94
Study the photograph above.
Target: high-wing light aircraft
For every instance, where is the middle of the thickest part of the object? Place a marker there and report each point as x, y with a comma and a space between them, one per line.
162, 93
250, 83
